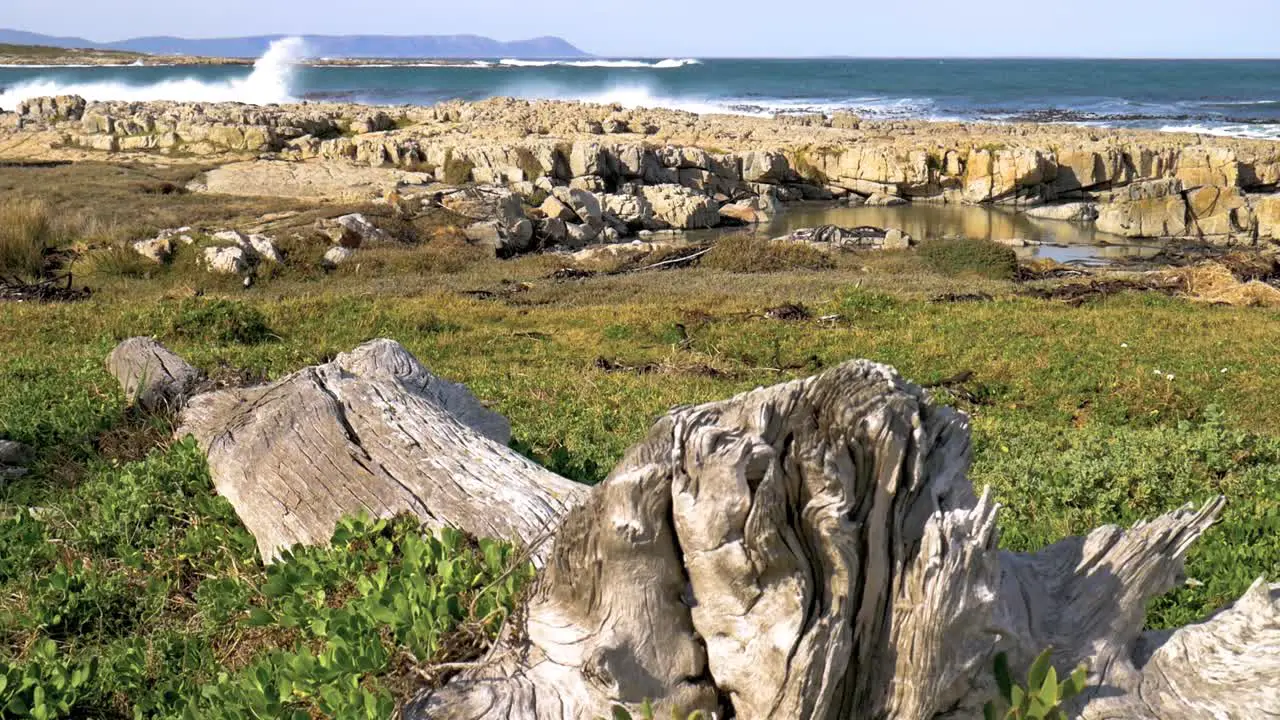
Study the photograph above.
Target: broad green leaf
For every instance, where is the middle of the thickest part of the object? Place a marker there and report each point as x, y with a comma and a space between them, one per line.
1039, 669
1048, 693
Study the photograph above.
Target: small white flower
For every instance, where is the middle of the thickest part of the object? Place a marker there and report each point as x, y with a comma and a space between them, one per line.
1124, 345
1158, 371
1224, 371
1169, 377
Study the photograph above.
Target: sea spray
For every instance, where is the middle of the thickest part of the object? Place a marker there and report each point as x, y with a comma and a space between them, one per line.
270, 81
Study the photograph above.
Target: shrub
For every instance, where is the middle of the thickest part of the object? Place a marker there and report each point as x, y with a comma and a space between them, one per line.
117, 261
220, 321
27, 234
457, 171
744, 254
965, 256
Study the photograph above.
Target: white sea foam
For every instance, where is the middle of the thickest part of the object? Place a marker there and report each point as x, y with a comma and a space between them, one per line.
269, 82
668, 64
1256, 132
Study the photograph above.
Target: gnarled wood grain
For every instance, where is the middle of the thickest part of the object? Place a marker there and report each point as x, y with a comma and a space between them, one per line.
815, 550
371, 432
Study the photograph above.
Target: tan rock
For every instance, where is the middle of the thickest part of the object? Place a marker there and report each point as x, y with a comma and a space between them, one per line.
1266, 209
679, 207
1220, 211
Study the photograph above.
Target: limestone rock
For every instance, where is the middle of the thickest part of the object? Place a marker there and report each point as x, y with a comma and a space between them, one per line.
1070, 212
679, 207
584, 203
336, 255
589, 183
354, 230
157, 250
764, 166
759, 209
1220, 211
230, 260
1147, 209
883, 200
552, 207
552, 231
1266, 210
265, 248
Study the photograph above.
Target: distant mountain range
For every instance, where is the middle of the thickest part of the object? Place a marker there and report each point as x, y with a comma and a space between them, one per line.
336, 46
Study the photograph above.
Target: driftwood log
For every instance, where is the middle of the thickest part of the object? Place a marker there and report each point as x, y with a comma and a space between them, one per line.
810, 550
151, 375
371, 432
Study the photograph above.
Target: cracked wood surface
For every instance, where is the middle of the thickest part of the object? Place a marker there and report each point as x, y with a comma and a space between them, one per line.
815, 550
371, 432
151, 375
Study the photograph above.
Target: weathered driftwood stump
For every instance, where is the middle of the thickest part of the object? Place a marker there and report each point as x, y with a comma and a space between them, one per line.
815, 550
152, 376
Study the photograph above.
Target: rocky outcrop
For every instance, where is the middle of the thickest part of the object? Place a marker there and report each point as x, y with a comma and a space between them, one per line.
1144, 184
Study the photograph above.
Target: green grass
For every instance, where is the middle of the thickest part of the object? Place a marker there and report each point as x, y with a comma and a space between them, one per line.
115, 547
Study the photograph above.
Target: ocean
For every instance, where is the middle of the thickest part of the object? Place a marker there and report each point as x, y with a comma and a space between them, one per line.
1220, 97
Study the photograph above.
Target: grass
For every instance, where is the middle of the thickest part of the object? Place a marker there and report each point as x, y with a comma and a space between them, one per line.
746, 254
27, 237
115, 546
965, 257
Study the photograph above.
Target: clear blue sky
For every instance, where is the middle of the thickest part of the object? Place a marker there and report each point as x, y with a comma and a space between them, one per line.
666, 28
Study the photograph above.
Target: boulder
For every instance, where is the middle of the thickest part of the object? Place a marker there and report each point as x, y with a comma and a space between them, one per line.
14, 459
157, 250
1266, 209
1153, 208
1220, 212
675, 206
552, 231
883, 200
589, 183
230, 260
1070, 212
577, 236
633, 211
583, 203
553, 207
336, 255
354, 230
265, 248
765, 167
759, 209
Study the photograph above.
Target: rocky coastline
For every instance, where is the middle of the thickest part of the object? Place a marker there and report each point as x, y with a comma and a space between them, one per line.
572, 174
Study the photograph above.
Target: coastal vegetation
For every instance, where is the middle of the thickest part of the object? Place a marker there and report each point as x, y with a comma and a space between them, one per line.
129, 588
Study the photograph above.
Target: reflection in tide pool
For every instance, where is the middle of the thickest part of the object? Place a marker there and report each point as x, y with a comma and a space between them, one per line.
1050, 239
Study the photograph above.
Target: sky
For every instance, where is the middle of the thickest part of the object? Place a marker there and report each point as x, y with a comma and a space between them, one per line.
709, 28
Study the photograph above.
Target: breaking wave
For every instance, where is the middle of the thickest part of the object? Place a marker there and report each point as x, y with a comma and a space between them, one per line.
270, 81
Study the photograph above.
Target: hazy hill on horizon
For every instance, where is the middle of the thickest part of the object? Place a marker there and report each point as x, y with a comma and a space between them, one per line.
352, 46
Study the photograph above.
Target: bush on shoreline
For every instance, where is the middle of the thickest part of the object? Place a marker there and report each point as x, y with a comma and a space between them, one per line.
962, 257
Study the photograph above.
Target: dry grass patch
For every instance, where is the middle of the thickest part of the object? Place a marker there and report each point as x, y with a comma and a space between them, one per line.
27, 237
745, 254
